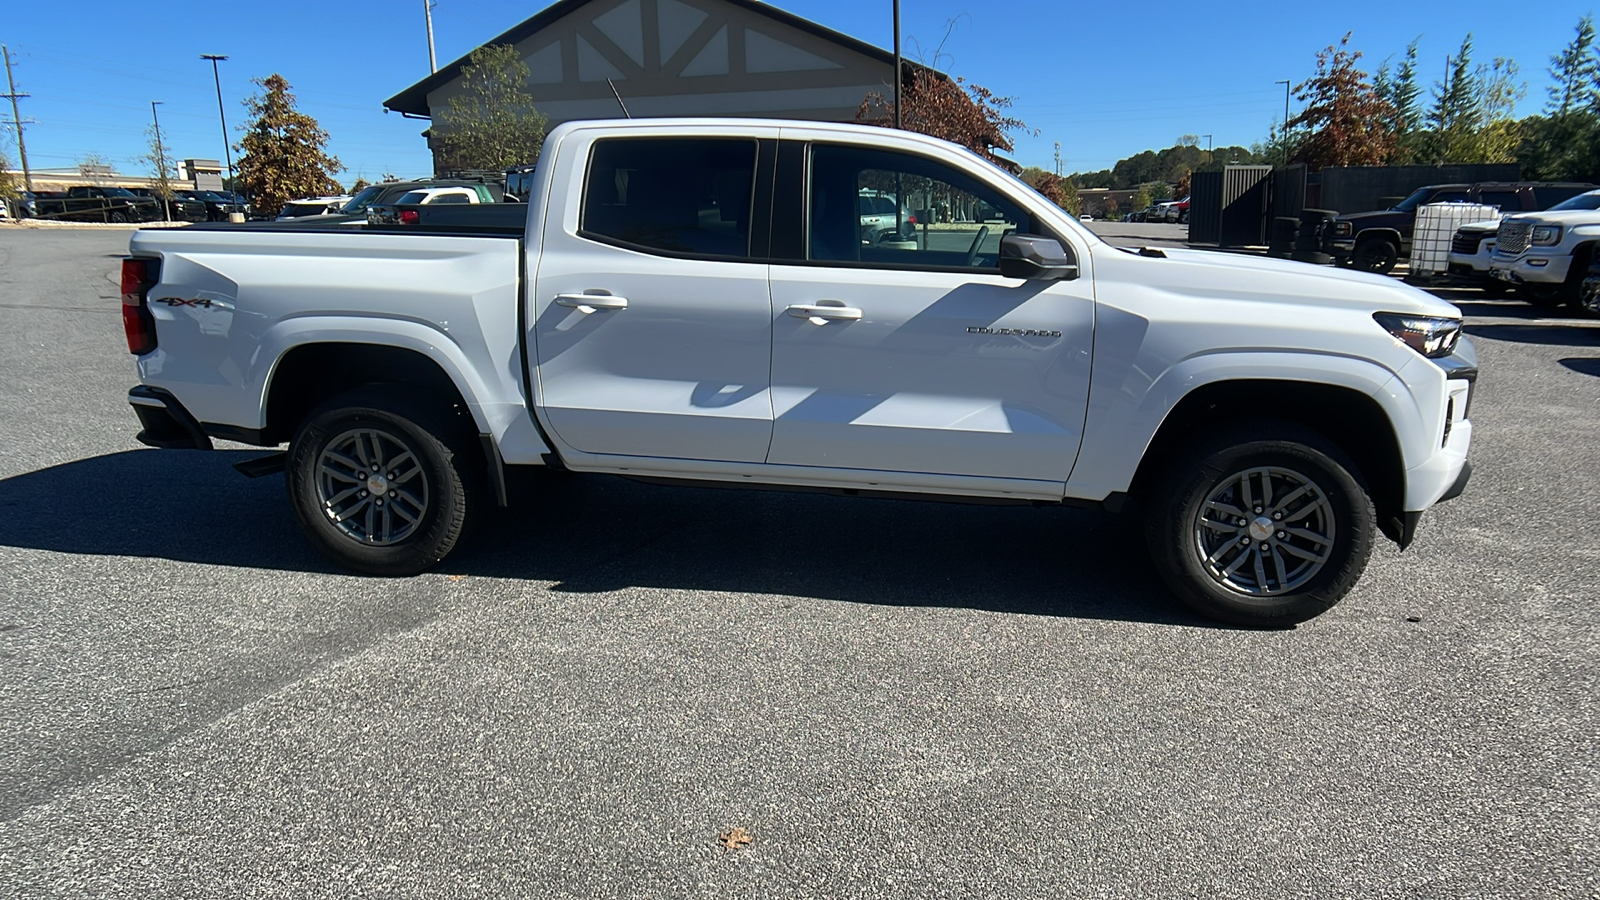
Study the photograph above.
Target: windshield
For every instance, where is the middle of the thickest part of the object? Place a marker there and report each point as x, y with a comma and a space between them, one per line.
117, 192
1590, 200
1410, 203
361, 201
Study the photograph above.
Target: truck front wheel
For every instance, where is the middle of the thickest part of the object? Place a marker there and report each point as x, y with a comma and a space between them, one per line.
380, 484
1375, 255
1263, 525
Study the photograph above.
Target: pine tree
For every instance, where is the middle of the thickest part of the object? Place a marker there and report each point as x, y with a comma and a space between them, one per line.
1575, 73
491, 124
1457, 112
282, 151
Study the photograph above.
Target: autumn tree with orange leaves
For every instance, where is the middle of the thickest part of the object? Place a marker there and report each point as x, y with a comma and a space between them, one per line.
951, 109
1347, 122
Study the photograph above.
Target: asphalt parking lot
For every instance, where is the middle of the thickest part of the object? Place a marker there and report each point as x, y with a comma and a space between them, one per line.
893, 699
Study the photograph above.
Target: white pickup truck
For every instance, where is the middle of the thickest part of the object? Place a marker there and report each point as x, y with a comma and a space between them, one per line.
696, 301
1547, 255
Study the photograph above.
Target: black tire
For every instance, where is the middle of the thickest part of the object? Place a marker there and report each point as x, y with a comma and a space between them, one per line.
1375, 255
448, 480
1288, 456
119, 217
1544, 296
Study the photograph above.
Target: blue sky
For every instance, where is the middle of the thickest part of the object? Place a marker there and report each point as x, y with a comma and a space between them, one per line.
1105, 80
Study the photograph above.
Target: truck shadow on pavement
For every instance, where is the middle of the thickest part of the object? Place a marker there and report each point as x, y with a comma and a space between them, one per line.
594, 534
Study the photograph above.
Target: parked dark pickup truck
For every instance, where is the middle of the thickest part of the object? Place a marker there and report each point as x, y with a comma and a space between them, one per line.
179, 208
95, 204
1375, 241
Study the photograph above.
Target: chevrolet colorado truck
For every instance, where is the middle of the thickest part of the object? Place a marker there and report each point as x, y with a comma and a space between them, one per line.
692, 301
1546, 255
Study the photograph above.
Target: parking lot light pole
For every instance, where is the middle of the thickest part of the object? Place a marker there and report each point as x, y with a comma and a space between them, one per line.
1284, 138
897, 118
161, 162
227, 152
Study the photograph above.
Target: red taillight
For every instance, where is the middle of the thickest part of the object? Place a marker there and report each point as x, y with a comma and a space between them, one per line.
409, 217
138, 277
911, 220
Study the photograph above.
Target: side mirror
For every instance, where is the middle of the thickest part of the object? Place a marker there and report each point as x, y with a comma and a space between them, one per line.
1034, 257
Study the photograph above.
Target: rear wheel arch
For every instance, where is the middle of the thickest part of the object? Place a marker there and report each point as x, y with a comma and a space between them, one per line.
1349, 419
309, 374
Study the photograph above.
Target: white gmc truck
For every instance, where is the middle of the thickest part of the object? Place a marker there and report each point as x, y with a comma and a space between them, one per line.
698, 301
1547, 255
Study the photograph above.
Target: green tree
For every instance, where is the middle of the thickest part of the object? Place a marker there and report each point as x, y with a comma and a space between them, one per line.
360, 185
161, 171
1497, 140
10, 190
1346, 122
491, 124
1575, 73
1457, 111
1401, 91
1564, 143
282, 154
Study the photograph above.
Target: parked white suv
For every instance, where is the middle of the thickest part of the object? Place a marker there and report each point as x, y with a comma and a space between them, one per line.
1546, 255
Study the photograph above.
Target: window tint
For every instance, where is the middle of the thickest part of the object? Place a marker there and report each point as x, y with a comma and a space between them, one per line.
877, 207
1562, 198
453, 197
1506, 200
674, 195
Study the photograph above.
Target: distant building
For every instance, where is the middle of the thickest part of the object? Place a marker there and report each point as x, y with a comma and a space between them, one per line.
678, 58
201, 174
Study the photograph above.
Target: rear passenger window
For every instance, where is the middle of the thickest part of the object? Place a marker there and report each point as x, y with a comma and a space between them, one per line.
671, 195
1506, 200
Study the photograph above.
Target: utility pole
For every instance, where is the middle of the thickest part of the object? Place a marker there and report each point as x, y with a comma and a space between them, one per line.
16, 119
427, 13
1208, 143
897, 118
227, 151
1285, 135
161, 165
1058, 159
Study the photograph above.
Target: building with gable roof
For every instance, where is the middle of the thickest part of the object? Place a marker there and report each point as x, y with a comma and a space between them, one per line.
678, 58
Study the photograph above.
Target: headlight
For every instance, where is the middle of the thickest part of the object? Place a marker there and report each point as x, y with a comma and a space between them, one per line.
1545, 235
1432, 337
1341, 229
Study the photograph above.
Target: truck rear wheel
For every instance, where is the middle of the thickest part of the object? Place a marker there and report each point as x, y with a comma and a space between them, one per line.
1263, 525
380, 484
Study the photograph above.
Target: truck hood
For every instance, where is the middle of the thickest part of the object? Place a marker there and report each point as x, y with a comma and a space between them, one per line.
1375, 217
1568, 217
1214, 274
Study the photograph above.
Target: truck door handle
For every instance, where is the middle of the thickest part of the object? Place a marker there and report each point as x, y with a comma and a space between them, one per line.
822, 313
588, 303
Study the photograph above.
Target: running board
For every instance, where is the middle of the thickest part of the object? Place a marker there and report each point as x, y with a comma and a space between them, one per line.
271, 464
